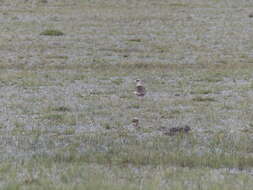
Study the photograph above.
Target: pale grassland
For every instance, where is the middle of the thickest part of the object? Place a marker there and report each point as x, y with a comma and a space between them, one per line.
67, 100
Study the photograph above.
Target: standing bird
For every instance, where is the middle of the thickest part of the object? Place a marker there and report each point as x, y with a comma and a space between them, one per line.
135, 122
140, 89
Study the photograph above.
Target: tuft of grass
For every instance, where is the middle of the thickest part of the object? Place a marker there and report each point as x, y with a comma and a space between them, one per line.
134, 106
203, 99
178, 5
118, 81
57, 57
201, 91
60, 119
66, 106
61, 109
52, 32
169, 114
135, 40
106, 126
69, 131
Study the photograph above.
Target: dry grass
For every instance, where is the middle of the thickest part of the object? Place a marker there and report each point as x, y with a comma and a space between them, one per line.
67, 101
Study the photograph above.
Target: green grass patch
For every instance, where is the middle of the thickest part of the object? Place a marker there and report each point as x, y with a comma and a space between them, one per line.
52, 32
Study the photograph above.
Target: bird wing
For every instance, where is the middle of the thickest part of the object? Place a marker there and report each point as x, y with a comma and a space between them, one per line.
141, 89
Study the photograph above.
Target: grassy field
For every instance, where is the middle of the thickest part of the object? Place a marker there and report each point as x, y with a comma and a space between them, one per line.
67, 76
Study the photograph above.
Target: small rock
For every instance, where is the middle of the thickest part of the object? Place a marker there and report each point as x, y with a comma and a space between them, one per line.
177, 130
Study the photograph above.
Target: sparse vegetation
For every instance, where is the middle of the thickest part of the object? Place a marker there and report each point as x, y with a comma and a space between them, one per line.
67, 104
